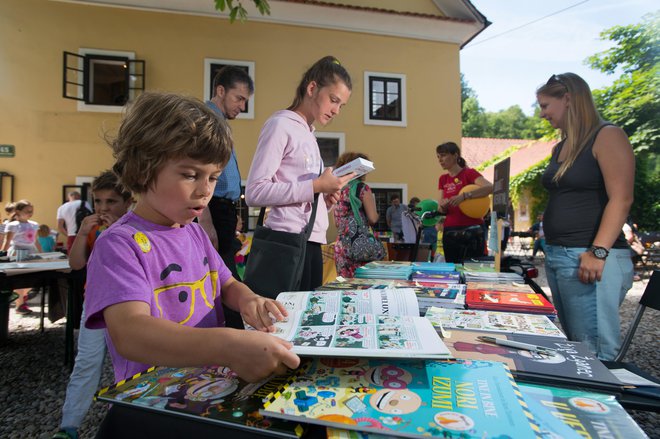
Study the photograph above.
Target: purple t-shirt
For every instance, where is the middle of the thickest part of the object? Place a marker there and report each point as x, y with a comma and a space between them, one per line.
175, 270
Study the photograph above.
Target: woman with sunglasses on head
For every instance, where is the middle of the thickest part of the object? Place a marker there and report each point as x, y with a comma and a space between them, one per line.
590, 183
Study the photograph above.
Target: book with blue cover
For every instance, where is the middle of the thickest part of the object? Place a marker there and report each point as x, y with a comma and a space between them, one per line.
570, 413
460, 399
434, 267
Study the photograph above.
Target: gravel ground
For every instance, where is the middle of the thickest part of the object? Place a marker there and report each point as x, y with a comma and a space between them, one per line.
34, 379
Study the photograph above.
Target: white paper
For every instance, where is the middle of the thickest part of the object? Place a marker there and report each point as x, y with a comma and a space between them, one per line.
628, 377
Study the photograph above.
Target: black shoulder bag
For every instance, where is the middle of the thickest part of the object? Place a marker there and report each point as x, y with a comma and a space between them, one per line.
276, 259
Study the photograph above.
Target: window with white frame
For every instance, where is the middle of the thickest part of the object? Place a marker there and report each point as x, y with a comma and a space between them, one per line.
331, 145
383, 192
213, 65
102, 80
385, 99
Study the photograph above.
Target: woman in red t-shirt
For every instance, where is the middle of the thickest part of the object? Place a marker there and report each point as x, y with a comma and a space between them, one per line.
463, 236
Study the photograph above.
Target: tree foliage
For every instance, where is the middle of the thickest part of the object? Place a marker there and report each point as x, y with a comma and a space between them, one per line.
633, 103
236, 9
511, 123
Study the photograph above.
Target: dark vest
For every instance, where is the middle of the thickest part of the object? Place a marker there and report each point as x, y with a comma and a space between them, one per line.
577, 201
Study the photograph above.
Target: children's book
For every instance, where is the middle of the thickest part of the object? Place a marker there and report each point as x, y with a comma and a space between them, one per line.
384, 270
208, 394
451, 296
482, 267
501, 277
362, 323
570, 363
459, 399
360, 166
450, 277
570, 413
356, 284
513, 287
434, 267
504, 301
495, 321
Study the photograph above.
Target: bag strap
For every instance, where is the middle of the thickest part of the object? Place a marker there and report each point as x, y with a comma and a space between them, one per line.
310, 224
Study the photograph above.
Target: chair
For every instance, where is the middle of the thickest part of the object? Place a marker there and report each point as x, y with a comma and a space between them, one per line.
647, 397
651, 299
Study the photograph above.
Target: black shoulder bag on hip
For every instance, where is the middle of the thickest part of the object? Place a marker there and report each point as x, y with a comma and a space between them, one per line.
276, 259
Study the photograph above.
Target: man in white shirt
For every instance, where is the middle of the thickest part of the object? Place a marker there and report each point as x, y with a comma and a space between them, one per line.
66, 217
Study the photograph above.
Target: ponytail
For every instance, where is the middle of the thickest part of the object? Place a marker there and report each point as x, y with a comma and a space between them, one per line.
328, 70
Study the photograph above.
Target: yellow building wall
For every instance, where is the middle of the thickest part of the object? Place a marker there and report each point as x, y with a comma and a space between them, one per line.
55, 142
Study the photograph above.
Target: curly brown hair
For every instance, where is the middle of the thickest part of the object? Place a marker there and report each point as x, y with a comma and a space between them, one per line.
159, 127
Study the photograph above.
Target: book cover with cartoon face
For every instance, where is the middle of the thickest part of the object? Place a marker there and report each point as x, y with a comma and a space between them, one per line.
451, 399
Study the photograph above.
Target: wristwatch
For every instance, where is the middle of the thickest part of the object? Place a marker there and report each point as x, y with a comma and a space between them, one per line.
599, 252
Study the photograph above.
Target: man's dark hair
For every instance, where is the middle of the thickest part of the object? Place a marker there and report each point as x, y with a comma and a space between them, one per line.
395, 197
229, 76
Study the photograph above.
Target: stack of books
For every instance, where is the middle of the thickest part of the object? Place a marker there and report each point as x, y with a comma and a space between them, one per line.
384, 270
532, 303
448, 296
493, 277
448, 277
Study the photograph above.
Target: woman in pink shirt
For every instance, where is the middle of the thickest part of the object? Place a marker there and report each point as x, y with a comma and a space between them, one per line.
287, 169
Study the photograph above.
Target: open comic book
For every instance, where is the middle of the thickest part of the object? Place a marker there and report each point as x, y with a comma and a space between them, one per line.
404, 398
362, 323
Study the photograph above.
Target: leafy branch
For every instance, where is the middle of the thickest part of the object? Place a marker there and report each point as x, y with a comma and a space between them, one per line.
237, 10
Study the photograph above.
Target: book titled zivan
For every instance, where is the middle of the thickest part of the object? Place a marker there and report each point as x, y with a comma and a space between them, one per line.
404, 398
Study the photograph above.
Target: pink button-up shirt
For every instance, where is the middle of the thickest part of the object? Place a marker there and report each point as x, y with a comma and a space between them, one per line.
285, 163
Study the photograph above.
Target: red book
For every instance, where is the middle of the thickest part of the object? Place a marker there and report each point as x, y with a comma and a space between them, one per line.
509, 301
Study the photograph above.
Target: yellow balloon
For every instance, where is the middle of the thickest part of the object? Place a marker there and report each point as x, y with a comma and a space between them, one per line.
474, 207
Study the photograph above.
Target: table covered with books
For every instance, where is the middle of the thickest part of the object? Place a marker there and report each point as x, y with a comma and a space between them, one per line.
473, 366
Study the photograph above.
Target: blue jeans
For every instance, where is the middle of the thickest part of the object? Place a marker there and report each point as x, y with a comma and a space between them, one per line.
589, 312
84, 380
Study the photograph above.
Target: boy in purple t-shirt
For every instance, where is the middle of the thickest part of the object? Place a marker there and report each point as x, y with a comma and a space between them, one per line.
154, 279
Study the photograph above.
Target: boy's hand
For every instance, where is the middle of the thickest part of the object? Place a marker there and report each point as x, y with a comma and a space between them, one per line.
107, 219
258, 312
88, 223
258, 355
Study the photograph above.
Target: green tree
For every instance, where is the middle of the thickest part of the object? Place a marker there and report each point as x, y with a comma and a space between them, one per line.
633, 103
474, 118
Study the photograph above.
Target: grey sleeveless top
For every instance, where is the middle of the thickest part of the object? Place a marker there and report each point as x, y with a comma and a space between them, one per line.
576, 203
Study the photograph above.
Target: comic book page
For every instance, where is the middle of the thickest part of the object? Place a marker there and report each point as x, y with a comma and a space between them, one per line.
370, 323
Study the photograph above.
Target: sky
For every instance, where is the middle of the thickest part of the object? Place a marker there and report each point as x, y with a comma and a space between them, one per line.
507, 69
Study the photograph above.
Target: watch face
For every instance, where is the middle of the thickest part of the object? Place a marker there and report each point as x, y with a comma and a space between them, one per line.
599, 252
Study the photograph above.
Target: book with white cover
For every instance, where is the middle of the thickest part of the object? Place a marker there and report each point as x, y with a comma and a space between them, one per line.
358, 323
360, 166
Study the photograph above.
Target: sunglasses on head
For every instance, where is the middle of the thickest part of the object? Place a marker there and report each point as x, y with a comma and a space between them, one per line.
555, 79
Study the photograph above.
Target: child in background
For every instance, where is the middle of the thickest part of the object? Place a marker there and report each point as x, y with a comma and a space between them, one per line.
111, 202
46, 239
9, 211
155, 281
21, 234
